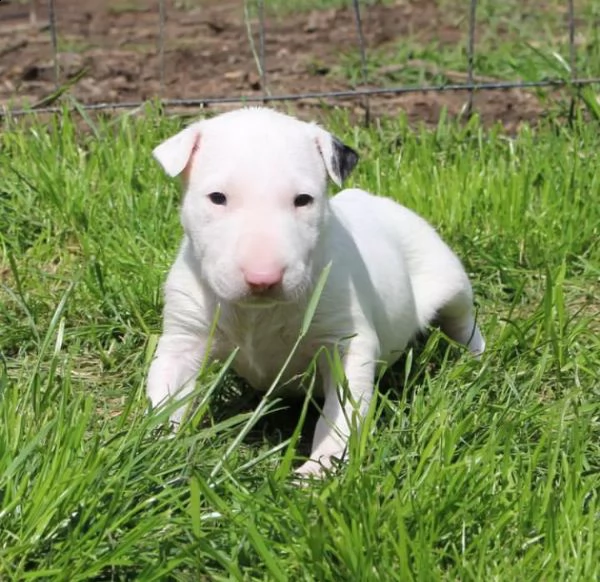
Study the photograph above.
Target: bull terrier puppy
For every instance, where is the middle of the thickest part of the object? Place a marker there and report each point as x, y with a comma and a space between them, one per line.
259, 230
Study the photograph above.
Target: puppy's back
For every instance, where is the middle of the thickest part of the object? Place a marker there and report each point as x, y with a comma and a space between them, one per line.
382, 228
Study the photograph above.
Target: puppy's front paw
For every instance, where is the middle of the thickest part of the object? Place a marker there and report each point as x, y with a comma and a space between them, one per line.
312, 468
319, 468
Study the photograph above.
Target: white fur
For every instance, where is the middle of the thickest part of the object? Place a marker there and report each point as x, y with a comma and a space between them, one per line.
391, 273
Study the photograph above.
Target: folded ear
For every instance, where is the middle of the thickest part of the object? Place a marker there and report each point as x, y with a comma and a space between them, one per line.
175, 153
339, 158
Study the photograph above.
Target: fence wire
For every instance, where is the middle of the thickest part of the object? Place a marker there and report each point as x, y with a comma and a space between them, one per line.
471, 53
54, 41
363, 92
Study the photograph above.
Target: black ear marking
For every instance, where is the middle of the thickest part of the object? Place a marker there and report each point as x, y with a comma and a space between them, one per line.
344, 158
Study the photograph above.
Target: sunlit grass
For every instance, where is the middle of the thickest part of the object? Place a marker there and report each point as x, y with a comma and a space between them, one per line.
474, 471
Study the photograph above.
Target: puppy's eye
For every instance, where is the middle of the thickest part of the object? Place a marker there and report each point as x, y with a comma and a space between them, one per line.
303, 200
218, 198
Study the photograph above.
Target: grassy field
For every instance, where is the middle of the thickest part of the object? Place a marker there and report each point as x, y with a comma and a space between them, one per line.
468, 470
474, 471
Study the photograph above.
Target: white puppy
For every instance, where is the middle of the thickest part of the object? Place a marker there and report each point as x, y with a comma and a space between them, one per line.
259, 230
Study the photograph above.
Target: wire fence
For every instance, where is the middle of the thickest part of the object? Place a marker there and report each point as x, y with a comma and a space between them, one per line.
363, 92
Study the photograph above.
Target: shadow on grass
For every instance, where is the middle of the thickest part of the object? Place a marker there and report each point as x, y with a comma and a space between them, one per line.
279, 424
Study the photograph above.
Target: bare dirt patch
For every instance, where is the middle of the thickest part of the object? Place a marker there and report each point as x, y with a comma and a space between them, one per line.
109, 51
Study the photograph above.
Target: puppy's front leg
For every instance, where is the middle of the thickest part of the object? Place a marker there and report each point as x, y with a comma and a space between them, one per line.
174, 370
336, 421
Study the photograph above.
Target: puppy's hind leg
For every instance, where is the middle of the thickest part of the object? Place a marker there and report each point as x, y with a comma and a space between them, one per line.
457, 321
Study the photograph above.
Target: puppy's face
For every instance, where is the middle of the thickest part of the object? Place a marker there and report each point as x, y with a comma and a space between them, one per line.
255, 200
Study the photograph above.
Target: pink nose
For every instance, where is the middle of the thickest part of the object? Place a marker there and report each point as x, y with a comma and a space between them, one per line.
260, 281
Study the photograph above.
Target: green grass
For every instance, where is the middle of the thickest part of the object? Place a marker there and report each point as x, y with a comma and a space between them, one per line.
467, 470
121, 6
474, 471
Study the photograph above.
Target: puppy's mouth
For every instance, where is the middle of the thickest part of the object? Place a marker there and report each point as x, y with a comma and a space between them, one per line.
264, 299
261, 302
284, 293
280, 294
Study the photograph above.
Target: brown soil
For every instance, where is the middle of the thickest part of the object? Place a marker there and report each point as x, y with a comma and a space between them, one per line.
114, 46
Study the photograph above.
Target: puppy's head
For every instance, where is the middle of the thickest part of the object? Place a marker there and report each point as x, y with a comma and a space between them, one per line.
255, 199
